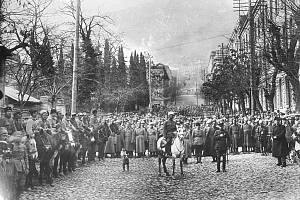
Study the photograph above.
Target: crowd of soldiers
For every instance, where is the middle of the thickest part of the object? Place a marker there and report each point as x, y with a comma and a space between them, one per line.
55, 144
190, 110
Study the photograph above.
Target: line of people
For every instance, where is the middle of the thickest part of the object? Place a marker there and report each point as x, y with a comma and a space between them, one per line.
58, 142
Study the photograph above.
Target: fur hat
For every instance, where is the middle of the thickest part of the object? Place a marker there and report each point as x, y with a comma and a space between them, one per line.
277, 118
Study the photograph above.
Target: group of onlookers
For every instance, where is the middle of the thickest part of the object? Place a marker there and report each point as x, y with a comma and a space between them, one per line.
49, 145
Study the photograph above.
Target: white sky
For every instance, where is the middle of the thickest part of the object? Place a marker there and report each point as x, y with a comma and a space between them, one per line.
187, 23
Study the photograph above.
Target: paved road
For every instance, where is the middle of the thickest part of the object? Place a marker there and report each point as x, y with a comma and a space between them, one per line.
188, 100
249, 176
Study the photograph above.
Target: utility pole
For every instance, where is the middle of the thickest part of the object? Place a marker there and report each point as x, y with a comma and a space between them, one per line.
75, 61
2, 83
222, 46
176, 86
197, 92
150, 95
265, 40
252, 54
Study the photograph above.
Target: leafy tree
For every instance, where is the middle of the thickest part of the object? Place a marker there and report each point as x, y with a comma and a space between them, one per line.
229, 80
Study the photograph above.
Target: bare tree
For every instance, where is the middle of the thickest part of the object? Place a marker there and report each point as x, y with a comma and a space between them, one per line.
286, 57
34, 60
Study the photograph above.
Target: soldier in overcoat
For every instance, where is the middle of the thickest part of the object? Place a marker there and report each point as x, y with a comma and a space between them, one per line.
140, 134
235, 132
103, 134
152, 139
221, 143
209, 141
280, 146
247, 133
198, 136
187, 142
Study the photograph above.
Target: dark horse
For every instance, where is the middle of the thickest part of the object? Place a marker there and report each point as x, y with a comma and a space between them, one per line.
177, 150
46, 147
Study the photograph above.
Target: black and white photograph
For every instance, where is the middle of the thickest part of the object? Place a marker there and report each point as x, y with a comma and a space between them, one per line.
149, 99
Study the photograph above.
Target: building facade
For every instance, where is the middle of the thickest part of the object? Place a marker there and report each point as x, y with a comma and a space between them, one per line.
160, 80
255, 40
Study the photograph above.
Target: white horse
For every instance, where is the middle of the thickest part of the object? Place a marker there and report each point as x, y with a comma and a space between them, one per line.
177, 151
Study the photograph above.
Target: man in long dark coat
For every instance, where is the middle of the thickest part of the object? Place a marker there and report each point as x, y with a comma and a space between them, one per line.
103, 134
280, 146
221, 143
235, 132
209, 149
247, 133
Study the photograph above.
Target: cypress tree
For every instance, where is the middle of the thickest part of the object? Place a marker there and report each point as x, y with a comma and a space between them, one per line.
143, 70
61, 61
87, 81
114, 79
107, 63
45, 60
100, 68
122, 68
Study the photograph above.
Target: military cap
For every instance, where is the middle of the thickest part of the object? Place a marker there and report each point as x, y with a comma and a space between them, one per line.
43, 112
277, 118
171, 113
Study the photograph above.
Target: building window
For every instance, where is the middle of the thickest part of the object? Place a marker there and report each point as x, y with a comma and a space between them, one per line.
280, 93
288, 89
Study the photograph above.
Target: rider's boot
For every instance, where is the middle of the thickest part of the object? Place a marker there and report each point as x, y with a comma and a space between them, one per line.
218, 164
224, 165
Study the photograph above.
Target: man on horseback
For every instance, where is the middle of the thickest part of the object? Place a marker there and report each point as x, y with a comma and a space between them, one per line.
169, 129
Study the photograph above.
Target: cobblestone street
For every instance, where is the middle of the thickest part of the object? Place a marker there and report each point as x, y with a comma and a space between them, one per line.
248, 176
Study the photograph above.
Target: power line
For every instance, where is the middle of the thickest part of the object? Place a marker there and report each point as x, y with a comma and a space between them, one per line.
186, 43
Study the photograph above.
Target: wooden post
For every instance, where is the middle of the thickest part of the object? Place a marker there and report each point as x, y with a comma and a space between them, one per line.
252, 54
75, 61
